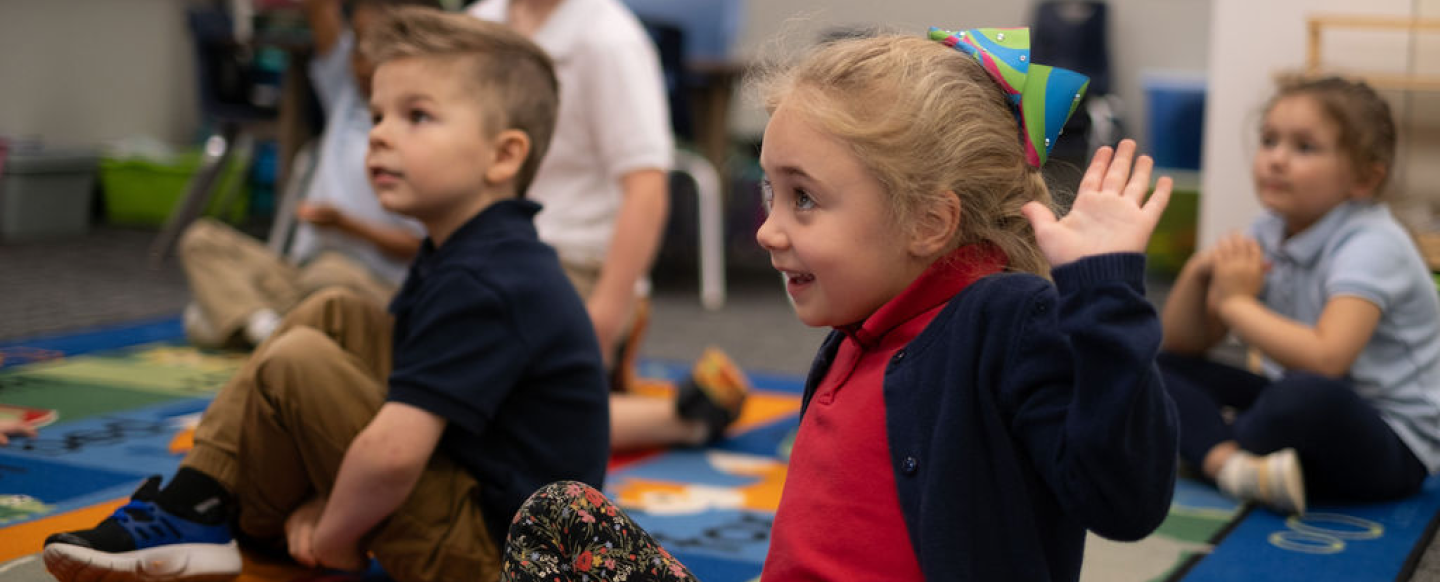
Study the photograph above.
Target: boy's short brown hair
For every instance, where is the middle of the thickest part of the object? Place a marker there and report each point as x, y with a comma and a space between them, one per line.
515, 77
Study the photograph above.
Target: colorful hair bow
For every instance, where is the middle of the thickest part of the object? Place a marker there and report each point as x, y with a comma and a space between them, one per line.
1043, 96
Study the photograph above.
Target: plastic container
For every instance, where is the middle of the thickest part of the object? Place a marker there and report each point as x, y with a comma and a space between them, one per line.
142, 192
1176, 119
1173, 241
46, 193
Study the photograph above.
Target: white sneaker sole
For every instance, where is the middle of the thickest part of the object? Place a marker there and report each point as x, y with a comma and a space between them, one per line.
177, 562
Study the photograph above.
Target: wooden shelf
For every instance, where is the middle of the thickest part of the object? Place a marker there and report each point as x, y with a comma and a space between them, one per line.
1316, 25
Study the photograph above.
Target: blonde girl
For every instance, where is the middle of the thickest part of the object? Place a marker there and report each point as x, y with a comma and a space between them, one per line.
967, 418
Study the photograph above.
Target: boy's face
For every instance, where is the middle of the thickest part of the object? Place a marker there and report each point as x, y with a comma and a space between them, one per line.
829, 230
430, 151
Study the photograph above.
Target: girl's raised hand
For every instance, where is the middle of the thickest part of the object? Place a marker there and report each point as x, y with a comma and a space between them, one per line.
1110, 213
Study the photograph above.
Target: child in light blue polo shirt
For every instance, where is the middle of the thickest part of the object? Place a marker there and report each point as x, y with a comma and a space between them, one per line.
1332, 291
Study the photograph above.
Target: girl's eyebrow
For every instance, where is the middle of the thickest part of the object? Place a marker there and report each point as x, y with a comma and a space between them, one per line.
794, 171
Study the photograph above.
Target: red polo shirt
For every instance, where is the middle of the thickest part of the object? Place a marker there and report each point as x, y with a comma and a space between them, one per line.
839, 515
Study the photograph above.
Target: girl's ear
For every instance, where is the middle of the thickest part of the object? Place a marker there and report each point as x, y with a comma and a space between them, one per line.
936, 225
512, 146
1367, 183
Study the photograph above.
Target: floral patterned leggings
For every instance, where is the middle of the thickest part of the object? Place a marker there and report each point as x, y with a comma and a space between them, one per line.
570, 531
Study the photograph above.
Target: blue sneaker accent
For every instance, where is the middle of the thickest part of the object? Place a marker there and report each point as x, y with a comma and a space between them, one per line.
151, 526
142, 542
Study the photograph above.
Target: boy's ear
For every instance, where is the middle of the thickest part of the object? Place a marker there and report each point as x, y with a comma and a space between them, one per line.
512, 148
1367, 183
936, 225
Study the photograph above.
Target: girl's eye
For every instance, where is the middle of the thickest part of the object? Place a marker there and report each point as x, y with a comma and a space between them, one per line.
375, 119
418, 116
803, 201
1268, 141
1306, 147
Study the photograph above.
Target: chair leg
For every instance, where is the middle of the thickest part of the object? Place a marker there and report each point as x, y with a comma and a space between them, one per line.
218, 150
711, 217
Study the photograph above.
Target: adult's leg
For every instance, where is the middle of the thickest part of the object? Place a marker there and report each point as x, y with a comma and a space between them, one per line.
569, 529
1347, 451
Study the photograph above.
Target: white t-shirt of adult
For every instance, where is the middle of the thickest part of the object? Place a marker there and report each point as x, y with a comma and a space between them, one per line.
614, 119
339, 179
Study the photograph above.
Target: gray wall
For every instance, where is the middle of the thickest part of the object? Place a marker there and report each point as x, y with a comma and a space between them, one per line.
88, 71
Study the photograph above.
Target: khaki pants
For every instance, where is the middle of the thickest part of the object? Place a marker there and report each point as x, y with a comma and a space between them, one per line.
276, 434
233, 275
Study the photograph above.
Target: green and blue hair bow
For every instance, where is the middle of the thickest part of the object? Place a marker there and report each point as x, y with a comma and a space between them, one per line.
1044, 97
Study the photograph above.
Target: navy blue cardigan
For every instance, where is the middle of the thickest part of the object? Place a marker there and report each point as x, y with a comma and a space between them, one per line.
1024, 414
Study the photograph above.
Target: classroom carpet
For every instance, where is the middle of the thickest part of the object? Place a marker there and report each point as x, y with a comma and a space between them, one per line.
118, 404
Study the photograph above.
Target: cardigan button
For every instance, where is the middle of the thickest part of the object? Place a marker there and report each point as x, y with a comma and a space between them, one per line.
899, 355
909, 465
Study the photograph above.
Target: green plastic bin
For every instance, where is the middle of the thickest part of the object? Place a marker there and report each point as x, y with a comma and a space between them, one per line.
142, 192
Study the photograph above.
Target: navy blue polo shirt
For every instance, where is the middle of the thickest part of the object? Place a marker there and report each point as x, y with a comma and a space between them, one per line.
491, 336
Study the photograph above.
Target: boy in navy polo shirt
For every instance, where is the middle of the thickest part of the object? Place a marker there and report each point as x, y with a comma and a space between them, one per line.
345, 436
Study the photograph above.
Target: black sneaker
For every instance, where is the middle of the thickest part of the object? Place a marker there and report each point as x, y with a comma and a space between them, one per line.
142, 542
714, 393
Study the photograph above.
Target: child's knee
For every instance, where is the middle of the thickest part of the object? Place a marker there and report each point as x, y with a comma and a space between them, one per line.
202, 234
298, 354
323, 304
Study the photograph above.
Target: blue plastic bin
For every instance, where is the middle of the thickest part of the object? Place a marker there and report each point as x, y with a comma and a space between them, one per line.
1176, 121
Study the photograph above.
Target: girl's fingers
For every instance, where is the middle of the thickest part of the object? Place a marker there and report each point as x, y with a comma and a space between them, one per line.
1119, 172
1155, 206
1139, 182
1095, 175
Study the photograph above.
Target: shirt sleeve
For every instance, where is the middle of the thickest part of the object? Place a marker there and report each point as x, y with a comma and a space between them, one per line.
1085, 399
462, 353
1364, 265
330, 72
625, 99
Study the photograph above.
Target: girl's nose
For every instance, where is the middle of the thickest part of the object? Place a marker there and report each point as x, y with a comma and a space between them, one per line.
769, 235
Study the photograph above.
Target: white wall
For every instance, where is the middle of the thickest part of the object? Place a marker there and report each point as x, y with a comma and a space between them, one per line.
1251, 41
1168, 35
88, 71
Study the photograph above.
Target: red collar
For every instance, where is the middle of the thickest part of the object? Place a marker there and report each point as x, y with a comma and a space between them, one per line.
943, 279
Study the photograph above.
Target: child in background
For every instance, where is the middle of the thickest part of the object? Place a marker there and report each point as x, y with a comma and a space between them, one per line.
1332, 291
321, 445
241, 289
967, 419
606, 193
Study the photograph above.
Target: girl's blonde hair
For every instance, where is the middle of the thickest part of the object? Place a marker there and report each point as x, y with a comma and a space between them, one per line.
926, 120
1367, 130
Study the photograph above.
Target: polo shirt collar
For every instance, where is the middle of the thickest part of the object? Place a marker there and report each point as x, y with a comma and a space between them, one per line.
497, 219
941, 281
1305, 248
